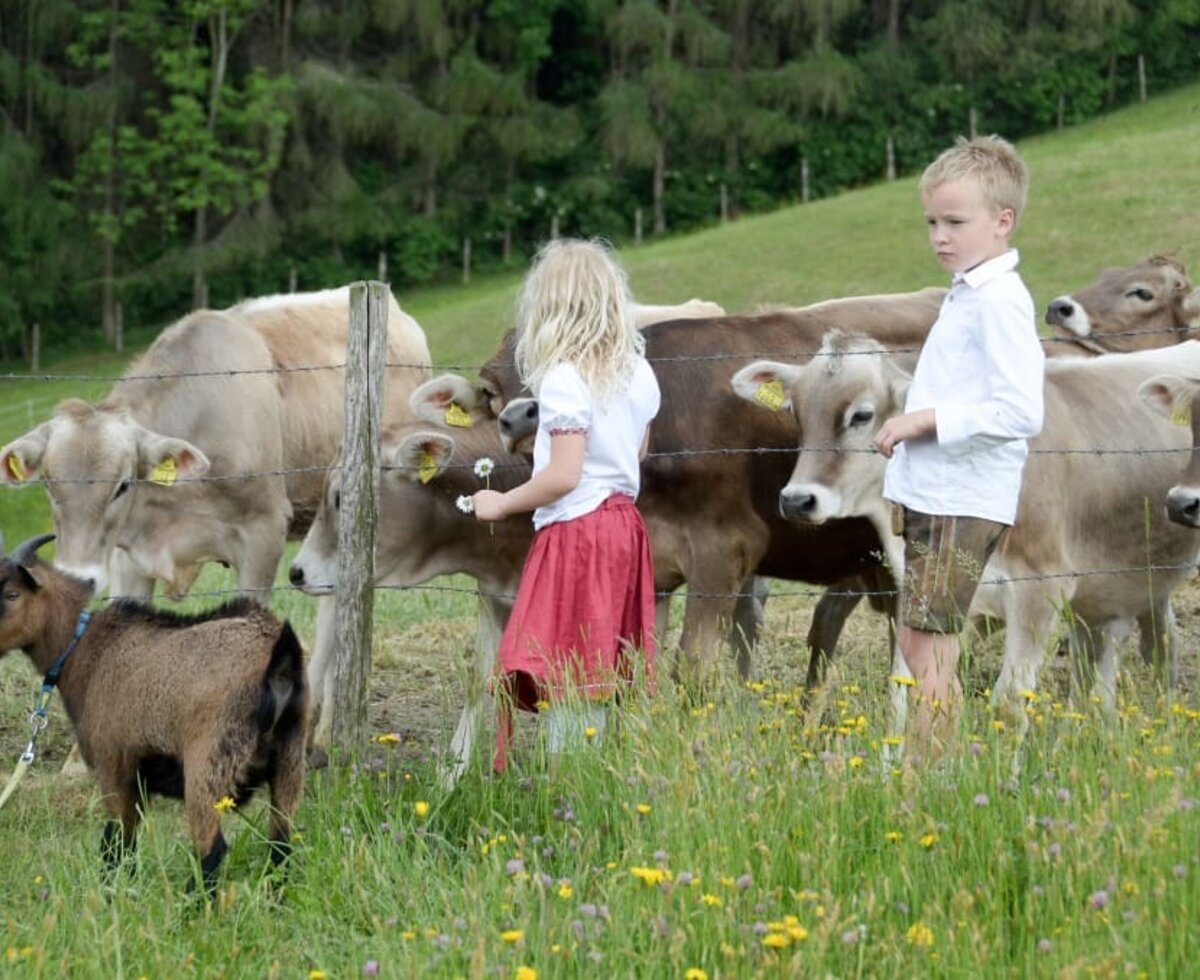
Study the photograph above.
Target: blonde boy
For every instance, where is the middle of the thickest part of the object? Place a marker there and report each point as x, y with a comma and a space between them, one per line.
957, 453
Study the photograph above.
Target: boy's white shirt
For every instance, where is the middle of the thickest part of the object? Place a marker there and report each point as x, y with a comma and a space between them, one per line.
614, 436
981, 369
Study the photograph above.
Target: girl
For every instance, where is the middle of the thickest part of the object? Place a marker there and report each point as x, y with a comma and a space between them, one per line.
585, 605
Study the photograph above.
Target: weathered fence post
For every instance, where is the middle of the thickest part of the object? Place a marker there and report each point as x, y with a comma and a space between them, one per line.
366, 345
972, 122
891, 158
554, 226
724, 203
35, 348
119, 326
292, 277
383, 277
804, 176
637, 226
466, 261
1142, 77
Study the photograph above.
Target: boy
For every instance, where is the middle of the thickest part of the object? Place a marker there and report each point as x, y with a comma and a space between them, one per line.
957, 452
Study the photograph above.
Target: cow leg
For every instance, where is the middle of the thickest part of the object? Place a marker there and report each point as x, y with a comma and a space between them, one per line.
1029, 619
493, 615
321, 674
1156, 637
829, 617
1094, 652
748, 611
707, 614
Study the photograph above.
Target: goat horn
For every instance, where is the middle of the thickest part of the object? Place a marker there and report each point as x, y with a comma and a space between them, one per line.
25, 550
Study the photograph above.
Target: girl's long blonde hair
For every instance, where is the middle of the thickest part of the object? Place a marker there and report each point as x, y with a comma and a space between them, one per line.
575, 306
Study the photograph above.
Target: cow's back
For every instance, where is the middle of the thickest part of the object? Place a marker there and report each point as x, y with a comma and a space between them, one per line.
306, 336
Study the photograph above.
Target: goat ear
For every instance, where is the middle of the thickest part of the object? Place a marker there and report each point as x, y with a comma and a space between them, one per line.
766, 383
20, 459
448, 399
421, 456
34, 578
1170, 396
163, 459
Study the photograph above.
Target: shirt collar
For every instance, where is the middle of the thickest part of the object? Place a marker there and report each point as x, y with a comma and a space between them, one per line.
987, 271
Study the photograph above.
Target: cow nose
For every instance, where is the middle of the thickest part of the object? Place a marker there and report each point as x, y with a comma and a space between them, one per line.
1184, 508
1061, 309
296, 576
797, 504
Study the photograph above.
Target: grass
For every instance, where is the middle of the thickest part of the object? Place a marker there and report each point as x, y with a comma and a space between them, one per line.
745, 837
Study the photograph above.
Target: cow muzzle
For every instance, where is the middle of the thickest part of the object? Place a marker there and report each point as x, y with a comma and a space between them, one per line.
1183, 505
808, 502
301, 580
1066, 313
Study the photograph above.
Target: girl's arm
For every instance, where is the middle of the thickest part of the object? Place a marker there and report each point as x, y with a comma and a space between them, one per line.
645, 447
559, 478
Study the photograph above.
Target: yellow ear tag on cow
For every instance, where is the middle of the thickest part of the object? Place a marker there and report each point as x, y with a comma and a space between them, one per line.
428, 468
16, 467
458, 416
1182, 415
165, 473
770, 394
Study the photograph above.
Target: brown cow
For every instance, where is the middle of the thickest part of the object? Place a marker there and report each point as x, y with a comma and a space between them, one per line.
422, 534
1150, 304
710, 483
1083, 540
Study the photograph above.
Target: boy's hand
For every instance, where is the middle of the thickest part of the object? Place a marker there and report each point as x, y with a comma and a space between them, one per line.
898, 428
489, 505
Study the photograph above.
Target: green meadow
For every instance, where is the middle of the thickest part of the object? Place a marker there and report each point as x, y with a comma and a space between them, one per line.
754, 834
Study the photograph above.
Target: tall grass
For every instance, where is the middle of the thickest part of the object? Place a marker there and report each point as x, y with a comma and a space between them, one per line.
749, 836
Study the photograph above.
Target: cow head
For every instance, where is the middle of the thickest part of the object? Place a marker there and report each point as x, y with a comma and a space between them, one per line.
1150, 304
839, 399
99, 467
1178, 399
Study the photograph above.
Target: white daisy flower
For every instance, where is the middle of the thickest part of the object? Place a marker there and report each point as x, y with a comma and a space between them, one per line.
484, 467
465, 504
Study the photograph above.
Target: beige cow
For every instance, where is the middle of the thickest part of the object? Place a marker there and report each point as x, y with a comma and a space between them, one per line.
1090, 537
1150, 304
1178, 399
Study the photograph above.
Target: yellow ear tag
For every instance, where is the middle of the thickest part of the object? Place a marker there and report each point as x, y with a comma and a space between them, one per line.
428, 468
165, 473
458, 416
16, 467
1181, 416
770, 394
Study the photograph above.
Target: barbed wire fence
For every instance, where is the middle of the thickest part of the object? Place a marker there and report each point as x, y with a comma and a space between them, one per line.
360, 468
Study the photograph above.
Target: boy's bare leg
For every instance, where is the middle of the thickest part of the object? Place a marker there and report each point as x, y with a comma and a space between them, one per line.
933, 660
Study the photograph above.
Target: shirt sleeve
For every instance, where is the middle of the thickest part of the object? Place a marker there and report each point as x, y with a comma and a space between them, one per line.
1013, 405
564, 405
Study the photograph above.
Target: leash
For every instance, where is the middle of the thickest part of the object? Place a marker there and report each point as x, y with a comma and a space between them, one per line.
38, 718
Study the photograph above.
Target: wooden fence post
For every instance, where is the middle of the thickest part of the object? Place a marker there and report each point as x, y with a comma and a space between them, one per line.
1142, 77
35, 348
119, 326
466, 261
383, 276
804, 179
637, 226
366, 345
292, 277
724, 203
891, 158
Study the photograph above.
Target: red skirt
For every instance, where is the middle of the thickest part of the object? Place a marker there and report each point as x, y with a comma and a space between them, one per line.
584, 613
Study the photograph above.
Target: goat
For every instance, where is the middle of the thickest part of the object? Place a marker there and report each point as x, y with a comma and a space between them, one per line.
201, 708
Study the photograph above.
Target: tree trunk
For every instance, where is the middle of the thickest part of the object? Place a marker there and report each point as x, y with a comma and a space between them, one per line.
199, 283
893, 25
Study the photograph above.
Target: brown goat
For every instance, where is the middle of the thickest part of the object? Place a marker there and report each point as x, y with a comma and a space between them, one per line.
199, 708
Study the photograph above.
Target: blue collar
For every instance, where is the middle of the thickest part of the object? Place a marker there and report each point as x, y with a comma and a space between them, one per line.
51, 678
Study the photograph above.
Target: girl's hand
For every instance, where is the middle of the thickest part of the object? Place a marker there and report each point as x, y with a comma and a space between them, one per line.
898, 428
489, 505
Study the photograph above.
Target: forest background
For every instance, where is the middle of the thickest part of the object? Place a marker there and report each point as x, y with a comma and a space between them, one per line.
162, 154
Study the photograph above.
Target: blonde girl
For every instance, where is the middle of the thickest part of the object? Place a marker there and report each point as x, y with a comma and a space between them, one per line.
585, 606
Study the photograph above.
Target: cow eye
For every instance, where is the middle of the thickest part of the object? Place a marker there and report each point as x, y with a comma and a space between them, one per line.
862, 417
1141, 293
122, 487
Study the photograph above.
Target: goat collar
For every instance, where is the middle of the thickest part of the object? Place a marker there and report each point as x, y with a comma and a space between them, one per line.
51, 679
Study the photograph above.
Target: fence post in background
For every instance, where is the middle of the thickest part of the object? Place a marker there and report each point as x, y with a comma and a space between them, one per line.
383, 266
35, 348
292, 279
1142, 77
637, 226
891, 158
119, 326
724, 203
972, 122
554, 226
466, 261
366, 345
804, 189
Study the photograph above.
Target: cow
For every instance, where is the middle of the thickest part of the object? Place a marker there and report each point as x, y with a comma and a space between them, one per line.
711, 479
212, 447
1178, 399
423, 533
645, 314
1084, 540
1150, 304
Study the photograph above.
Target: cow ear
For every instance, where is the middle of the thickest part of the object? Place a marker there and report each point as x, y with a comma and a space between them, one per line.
163, 459
448, 399
421, 456
1170, 396
20, 459
897, 381
766, 383
1191, 311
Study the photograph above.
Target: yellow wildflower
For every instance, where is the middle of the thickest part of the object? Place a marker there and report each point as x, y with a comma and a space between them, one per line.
893, 836
387, 738
710, 899
928, 840
651, 876
317, 975
856, 761
224, 804
512, 935
408, 934
694, 973
902, 681
643, 808
589, 732
919, 934
565, 890
421, 809
776, 940
526, 973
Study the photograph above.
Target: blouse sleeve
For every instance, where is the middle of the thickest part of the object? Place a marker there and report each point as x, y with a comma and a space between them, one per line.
563, 402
